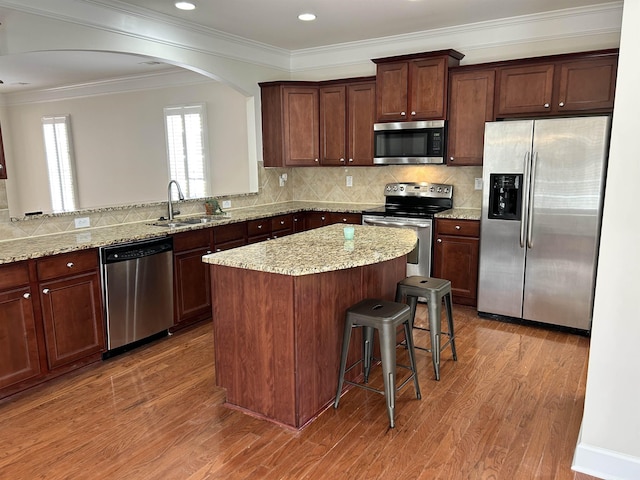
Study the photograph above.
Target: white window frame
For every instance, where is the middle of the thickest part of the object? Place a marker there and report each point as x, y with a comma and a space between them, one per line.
58, 146
188, 162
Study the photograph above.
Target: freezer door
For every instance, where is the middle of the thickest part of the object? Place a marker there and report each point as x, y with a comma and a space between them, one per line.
568, 169
507, 147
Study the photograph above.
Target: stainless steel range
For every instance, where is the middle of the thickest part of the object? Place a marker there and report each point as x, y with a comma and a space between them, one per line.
413, 205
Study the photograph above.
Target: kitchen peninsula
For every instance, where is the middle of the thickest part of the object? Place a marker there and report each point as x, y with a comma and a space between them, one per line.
278, 314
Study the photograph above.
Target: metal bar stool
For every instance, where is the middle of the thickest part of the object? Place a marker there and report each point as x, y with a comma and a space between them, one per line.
434, 290
386, 317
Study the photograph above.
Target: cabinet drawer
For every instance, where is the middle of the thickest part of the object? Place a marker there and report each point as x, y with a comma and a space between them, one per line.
259, 227
192, 240
66, 264
282, 222
464, 228
14, 275
230, 233
354, 218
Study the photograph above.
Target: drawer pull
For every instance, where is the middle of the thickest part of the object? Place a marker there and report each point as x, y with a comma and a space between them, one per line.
45, 291
70, 265
259, 226
439, 240
281, 222
27, 295
458, 227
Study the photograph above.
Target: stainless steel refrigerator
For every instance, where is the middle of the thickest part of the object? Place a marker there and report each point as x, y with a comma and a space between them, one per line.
543, 183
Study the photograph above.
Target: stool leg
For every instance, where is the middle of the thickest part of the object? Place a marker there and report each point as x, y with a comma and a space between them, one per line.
408, 333
434, 326
367, 350
346, 339
452, 338
388, 354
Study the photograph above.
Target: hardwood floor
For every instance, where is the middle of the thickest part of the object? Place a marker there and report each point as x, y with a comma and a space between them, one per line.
510, 408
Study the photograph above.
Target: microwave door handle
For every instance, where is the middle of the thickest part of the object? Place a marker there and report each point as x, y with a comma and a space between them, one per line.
525, 197
397, 224
534, 163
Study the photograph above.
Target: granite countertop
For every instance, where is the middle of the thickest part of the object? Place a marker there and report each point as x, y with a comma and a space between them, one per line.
41, 246
319, 250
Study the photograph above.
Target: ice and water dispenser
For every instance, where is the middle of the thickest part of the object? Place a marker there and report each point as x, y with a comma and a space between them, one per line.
505, 196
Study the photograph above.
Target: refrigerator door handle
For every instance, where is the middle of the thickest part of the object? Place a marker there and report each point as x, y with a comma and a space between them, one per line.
525, 196
532, 188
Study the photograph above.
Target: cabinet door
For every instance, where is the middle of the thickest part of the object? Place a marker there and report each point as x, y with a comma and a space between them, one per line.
3, 163
392, 101
456, 259
587, 85
299, 222
301, 132
361, 115
192, 285
470, 106
427, 89
316, 219
72, 317
333, 118
19, 356
526, 89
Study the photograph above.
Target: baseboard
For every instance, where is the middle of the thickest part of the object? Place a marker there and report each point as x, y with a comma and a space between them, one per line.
602, 463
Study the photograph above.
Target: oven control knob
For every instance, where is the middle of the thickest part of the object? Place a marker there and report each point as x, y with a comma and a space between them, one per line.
402, 188
432, 189
439, 189
395, 188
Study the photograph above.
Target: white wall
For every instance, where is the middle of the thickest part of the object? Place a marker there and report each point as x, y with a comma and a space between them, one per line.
609, 445
119, 146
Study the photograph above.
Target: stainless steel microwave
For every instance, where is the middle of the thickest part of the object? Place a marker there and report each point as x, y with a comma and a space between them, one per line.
403, 143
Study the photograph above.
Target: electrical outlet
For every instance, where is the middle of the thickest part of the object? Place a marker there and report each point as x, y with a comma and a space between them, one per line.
478, 184
82, 222
226, 204
349, 181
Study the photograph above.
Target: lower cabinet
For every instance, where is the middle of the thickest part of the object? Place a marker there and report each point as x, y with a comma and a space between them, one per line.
59, 329
192, 286
321, 219
455, 257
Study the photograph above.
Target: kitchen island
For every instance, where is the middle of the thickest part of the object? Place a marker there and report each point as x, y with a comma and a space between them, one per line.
278, 314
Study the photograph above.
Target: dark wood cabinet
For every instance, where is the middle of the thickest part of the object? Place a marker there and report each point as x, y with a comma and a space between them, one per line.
471, 99
19, 351
321, 219
258, 230
3, 163
298, 220
560, 85
290, 132
455, 257
341, 217
347, 115
192, 283
71, 306
229, 236
413, 87
282, 225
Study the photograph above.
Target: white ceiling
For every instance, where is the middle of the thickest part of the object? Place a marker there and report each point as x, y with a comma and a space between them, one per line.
269, 22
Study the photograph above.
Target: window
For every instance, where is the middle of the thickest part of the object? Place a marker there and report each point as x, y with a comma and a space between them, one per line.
60, 163
186, 148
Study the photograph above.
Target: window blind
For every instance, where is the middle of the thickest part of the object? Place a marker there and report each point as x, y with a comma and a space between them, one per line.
60, 162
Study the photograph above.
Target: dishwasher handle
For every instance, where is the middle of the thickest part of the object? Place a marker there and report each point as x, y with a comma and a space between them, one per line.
133, 251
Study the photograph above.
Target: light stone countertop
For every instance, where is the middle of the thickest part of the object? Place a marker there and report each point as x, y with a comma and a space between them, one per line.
320, 250
41, 246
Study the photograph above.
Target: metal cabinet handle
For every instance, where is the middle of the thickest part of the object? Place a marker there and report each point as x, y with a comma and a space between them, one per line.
70, 265
342, 160
281, 222
451, 159
218, 250
458, 227
27, 295
403, 114
208, 252
413, 113
350, 160
316, 160
439, 240
45, 291
561, 104
546, 105
259, 227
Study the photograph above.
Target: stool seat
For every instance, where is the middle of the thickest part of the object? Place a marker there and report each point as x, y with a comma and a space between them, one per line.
386, 317
434, 290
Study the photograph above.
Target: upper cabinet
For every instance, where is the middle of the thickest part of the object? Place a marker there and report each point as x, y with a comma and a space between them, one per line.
290, 133
413, 87
470, 106
347, 115
567, 84
3, 165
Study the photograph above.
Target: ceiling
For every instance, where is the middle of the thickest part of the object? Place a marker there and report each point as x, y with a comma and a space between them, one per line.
269, 22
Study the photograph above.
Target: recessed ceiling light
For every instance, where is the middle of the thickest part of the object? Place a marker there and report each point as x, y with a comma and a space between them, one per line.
185, 5
306, 17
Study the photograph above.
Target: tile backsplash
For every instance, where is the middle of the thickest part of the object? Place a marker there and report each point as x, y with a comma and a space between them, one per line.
325, 184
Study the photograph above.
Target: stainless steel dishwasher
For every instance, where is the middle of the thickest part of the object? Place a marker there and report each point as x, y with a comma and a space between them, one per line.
137, 282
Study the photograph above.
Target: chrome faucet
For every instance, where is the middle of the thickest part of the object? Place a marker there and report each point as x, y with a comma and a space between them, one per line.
180, 197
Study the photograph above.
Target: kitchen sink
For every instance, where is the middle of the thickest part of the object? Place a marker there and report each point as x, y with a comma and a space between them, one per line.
184, 222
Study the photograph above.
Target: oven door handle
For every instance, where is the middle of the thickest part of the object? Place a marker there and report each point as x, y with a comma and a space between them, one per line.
397, 224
